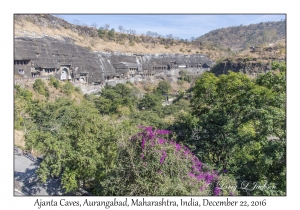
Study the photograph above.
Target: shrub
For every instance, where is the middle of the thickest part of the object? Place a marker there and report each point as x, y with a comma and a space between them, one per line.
179, 82
150, 164
148, 86
67, 88
163, 87
131, 43
40, 87
149, 102
77, 89
184, 76
54, 82
123, 110
22, 104
101, 32
129, 83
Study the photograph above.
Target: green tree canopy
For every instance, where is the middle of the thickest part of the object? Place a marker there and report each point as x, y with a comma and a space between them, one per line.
40, 87
75, 142
238, 124
163, 87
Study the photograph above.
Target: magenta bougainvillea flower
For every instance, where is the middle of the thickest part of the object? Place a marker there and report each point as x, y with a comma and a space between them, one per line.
161, 141
150, 138
163, 157
217, 191
162, 132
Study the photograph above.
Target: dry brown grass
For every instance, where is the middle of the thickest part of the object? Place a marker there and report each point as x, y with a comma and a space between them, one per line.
20, 142
25, 28
19, 139
176, 87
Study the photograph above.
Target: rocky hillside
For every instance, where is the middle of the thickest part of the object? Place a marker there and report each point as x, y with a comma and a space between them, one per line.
50, 42
45, 56
242, 37
100, 40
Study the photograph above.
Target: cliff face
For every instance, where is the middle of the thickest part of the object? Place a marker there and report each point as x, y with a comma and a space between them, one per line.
48, 53
251, 68
42, 57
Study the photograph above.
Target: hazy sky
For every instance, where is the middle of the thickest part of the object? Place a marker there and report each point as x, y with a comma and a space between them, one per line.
183, 26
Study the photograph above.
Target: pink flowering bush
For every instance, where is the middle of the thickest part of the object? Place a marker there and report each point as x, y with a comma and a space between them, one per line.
151, 164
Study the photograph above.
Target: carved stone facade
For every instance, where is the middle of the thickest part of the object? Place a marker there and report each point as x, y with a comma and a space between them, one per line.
43, 57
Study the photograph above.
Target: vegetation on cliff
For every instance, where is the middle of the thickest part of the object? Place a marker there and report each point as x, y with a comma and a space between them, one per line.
217, 44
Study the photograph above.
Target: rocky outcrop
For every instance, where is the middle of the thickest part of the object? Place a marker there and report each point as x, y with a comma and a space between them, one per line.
47, 20
42, 57
252, 68
42, 54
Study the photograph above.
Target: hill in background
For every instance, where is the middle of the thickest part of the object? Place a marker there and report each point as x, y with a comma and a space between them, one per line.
242, 37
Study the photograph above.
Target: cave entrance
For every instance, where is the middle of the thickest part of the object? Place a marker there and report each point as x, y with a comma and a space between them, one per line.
64, 73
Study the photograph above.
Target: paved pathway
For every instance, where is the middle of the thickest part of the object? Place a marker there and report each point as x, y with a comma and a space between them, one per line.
25, 174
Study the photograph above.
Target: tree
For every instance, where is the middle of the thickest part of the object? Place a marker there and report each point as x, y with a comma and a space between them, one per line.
67, 88
94, 25
75, 142
40, 87
163, 87
113, 97
131, 31
269, 36
101, 32
76, 21
233, 114
54, 82
149, 102
169, 36
106, 27
184, 76
228, 103
111, 34
122, 89
23, 104
121, 29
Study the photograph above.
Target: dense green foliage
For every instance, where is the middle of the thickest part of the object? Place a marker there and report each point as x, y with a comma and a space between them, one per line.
239, 125
23, 105
54, 82
114, 99
163, 87
67, 88
74, 141
40, 87
234, 129
101, 32
150, 102
184, 76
